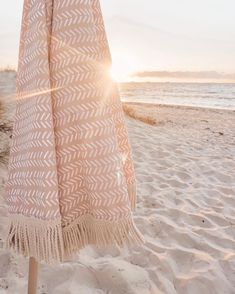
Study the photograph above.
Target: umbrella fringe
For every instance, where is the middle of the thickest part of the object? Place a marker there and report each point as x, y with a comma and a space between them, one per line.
40, 239
101, 233
50, 242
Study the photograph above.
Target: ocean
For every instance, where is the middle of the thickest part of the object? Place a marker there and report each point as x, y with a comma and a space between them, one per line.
210, 95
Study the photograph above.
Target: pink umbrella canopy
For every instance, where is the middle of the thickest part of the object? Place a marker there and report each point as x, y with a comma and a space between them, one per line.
71, 179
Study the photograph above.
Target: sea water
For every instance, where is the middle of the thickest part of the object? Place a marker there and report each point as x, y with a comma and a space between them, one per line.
209, 95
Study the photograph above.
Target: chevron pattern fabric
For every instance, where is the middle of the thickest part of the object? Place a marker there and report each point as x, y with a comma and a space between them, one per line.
71, 179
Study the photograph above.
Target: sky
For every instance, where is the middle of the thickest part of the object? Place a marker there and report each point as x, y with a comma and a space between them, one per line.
152, 37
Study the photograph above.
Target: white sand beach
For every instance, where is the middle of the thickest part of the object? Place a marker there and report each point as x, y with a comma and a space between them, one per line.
185, 170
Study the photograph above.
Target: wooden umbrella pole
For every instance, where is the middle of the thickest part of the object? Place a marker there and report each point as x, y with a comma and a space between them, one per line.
33, 276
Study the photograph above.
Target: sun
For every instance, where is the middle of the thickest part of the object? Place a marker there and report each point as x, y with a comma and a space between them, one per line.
119, 73
122, 67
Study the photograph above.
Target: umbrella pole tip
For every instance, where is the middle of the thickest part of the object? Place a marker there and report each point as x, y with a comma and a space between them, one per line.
32, 276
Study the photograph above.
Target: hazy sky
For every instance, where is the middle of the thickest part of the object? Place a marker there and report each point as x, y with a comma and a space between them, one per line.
149, 35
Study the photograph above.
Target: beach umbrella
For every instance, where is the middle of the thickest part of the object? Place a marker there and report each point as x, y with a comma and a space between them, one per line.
71, 179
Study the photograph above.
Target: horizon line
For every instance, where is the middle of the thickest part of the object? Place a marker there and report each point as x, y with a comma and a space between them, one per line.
166, 76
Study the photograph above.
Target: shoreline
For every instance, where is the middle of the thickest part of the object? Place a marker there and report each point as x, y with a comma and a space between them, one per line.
193, 107
184, 117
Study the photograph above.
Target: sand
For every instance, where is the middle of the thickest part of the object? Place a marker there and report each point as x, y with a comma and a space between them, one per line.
185, 171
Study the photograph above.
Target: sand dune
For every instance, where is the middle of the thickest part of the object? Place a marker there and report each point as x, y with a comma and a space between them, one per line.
186, 210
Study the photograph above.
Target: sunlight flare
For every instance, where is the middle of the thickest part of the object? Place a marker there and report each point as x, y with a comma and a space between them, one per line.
123, 66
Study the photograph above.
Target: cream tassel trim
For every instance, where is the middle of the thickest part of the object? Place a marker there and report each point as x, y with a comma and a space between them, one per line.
41, 239
88, 230
48, 241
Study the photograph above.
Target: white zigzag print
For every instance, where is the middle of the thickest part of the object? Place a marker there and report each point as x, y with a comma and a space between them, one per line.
70, 155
